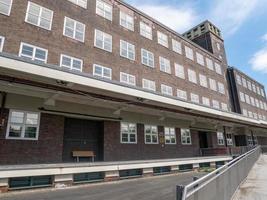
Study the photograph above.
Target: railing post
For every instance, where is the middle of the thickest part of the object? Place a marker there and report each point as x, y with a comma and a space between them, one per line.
179, 192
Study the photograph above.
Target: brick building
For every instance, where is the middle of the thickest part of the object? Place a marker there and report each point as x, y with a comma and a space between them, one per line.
100, 75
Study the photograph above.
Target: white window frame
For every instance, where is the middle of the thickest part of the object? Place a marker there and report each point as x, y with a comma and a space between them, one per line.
128, 133
220, 138
149, 56
2, 39
182, 94
213, 85
189, 53
238, 79
249, 85
224, 106
166, 90
22, 137
179, 71
34, 51
165, 65
128, 78
205, 101
194, 98
176, 46
247, 98
171, 134
244, 82
77, 2
104, 36
203, 80
9, 10
39, 16
151, 84
163, 39
229, 139
102, 71
221, 88
151, 134
146, 31
218, 68
210, 64
128, 19
192, 76
242, 97
130, 49
74, 29
200, 59
72, 60
185, 137
245, 112
215, 104
104, 6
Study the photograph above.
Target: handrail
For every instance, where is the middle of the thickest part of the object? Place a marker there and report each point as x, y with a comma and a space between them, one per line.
198, 184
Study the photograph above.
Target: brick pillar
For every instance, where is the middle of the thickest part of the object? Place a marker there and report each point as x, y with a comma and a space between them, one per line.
62, 181
3, 185
148, 172
112, 176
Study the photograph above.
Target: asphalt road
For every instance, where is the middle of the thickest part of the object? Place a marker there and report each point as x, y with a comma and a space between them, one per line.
156, 188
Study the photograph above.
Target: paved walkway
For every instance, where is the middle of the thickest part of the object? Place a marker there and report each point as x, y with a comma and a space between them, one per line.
255, 187
152, 188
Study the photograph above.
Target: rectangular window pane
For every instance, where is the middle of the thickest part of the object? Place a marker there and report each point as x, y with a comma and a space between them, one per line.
103, 9
147, 58
103, 40
81, 3
145, 30
126, 21
71, 63
103, 72
5, 7
33, 52
74, 29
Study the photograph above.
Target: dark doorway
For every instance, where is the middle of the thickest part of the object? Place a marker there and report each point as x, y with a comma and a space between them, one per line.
240, 140
204, 140
83, 135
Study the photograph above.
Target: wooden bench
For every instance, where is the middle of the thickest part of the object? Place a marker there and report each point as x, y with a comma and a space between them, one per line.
83, 154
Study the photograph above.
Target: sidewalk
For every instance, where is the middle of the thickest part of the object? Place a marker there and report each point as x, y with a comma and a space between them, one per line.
255, 186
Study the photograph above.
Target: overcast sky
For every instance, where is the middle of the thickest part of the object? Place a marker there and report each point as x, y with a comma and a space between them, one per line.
243, 24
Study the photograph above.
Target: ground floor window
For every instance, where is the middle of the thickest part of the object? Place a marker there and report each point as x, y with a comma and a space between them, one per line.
128, 133
250, 140
220, 138
229, 139
186, 136
23, 125
151, 134
170, 137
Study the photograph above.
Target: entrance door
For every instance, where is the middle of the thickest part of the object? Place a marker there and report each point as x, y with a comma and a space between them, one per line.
204, 140
83, 135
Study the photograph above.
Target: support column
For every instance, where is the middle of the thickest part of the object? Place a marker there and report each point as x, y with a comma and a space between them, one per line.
62, 181
174, 169
148, 172
196, 166
4, 185
213, 164
112, 175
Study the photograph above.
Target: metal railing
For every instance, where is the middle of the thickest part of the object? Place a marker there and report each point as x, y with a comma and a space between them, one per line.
222, 183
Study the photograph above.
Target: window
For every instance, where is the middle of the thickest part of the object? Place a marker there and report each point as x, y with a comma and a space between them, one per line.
258, 90
71, 62
147, 58
215, 104
181, 94
238, 79
145, 30
192, 77
176, 46
250, 140
170, 137
5, 7
194, 98
249, 85
250, 114
103, 40
200, 59
221, 88
33, 52
165, 65
23, 125
126, 21
205, 101
189, 53
220, 138
74, 29
103, 72
163, 39
2, 40
127, 78
224, 106
229, 139
209, 64
151, 134
81, 3
213, 85
127, 50
252, 100
128, 133
245, 112
203, 80
244, 82
257, 103
262, 91
149, 85
218, 46
254, 88
104, 10
218, 69
39, 16
179, 71
186, 136
247, 99
242, 97
166, 90
255, 115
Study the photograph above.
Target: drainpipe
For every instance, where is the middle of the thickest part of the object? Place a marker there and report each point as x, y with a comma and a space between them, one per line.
3, 103
225, 140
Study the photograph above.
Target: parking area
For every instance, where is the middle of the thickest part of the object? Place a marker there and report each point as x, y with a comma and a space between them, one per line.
156, 188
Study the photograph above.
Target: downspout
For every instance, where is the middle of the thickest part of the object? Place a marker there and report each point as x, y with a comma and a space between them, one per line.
3, 103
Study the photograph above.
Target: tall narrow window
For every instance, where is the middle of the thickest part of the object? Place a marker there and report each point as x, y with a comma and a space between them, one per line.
147, 58
215, 104
218, 69
186, 137
126, 21
128, 133
39, 16
242, 96
238, 79
165, 65
176, 46
103, 72
5, 7
81, 3
104, 10
2, 40
74, 29
71, 63
229, 139
145, 30
203, 80
33, 52
200, 59
151, 134
205, 101
163, 39
189, 53
170, 137
23, 125
179, 71
209, 64
166, 90
220, 138
182, 94
224, 106
149, 85
127, 50
192, 76
244, 82
103, 41
194, 98
127, 78
221, 88
213, 85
